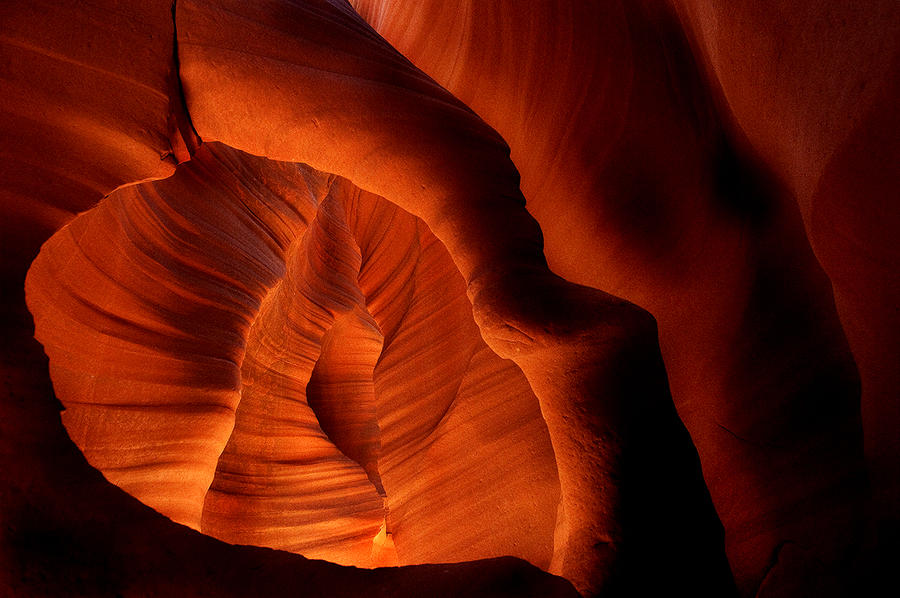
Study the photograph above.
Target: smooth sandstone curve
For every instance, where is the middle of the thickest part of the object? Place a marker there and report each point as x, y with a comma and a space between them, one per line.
469, 198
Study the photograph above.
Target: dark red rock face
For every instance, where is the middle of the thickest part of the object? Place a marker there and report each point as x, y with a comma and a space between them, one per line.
460, 298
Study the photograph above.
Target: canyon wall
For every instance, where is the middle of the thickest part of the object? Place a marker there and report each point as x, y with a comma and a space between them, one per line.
607, 287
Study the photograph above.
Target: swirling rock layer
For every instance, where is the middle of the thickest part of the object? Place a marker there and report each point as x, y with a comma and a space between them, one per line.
674, 206
268, 354
151, 387
179, 390
452, 414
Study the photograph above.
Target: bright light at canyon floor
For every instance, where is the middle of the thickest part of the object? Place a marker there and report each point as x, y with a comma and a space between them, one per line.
449, 298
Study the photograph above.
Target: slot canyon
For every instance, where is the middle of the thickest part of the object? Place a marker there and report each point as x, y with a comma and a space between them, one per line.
438, 298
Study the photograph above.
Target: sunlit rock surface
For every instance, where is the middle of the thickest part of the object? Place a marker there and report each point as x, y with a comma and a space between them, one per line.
368, 360
179, 388
684, 139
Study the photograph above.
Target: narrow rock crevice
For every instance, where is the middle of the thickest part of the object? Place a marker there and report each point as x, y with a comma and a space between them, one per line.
182, 135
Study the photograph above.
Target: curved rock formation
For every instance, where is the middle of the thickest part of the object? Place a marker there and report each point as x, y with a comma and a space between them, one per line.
470, 199
52, 502
829, 131
667, 206
151, 384
369, 360
154, 393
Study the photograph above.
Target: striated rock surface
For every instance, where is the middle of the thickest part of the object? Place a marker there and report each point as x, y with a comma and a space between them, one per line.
471, 201
280, 481
368, 360
684, 145
452, 414
153, 397
90, 103
264, 206
151, 384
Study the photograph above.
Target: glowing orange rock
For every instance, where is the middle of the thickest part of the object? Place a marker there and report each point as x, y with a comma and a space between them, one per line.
283, 481
269, 354
452, 415
612, 107
470, 200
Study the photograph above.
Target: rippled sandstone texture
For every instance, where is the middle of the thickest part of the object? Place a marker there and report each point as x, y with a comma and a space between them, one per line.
266, 353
